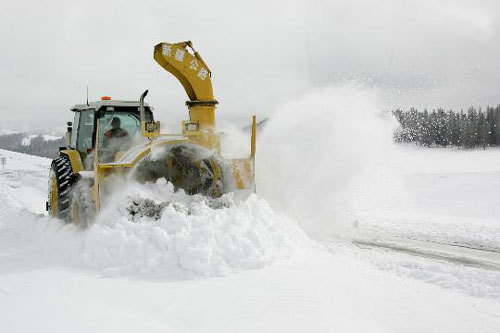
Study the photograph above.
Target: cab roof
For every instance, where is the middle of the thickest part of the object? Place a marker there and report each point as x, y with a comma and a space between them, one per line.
97, 105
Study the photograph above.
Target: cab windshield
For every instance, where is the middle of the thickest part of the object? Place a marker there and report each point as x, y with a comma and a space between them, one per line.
117, 131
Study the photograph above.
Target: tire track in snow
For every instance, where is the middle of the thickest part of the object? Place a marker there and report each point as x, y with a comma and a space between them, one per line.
458, 254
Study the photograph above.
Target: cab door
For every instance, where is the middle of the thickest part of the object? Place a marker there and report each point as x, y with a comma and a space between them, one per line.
85, 136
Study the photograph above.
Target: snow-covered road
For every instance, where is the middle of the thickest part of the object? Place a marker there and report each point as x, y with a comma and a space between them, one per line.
262, 273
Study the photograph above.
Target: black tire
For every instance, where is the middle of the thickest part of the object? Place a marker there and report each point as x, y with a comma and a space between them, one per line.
65, 179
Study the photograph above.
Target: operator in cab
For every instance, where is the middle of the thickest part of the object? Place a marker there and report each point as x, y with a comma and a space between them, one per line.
116, 131
116, 139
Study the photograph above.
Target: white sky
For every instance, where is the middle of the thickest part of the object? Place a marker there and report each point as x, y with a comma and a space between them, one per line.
261, 53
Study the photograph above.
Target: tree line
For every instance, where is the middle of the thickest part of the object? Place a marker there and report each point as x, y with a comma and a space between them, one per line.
473, 128
37, 145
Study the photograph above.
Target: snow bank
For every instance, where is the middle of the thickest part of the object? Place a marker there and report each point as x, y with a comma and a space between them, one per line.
192, 237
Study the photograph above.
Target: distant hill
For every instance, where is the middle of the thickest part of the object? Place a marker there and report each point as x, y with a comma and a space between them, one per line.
48, 145
33, 144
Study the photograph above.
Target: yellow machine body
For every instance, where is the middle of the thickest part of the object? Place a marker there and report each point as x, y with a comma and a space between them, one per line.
199, 130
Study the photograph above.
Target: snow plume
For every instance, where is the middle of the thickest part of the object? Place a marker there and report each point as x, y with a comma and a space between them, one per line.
184, 236
320, 153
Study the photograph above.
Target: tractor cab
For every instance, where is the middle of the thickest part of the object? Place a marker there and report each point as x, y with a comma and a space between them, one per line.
119, 126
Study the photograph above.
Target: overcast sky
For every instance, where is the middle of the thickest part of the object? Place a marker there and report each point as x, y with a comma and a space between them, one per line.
261, 53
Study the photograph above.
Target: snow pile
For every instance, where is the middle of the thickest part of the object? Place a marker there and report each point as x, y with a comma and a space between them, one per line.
191, 237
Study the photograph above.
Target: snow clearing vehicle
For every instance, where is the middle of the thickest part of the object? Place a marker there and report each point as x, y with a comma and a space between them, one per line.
111, 139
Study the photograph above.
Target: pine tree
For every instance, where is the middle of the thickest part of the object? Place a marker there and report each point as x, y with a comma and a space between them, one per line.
475, 128
482, 130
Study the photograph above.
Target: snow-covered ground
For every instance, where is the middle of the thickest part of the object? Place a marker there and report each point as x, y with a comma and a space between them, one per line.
349, 233
249, 268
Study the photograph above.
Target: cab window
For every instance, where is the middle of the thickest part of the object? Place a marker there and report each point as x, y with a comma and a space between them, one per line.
126, 124
76, 121
85, 134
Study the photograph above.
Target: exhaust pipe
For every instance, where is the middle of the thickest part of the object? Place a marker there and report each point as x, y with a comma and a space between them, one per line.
142, 111
149, 129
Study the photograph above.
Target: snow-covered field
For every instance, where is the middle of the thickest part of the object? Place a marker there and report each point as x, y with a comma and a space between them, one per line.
248, 268
349, 236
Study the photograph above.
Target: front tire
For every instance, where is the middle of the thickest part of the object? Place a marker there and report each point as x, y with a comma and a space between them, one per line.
61, 180
70, 197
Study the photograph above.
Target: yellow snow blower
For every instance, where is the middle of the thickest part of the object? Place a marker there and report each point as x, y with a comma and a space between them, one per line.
110, 139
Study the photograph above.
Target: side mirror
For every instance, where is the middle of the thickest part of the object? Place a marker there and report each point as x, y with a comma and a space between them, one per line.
69, 133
